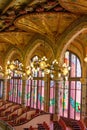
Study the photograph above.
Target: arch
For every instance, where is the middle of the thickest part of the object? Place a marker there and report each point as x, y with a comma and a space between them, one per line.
13, 53
34, 45
69, 35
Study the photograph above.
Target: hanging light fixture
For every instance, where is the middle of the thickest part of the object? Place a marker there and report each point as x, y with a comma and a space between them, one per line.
52, 69
38, 64
13, 67
60, 70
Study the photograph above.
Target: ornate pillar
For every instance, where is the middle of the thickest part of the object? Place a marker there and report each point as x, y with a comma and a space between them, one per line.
84, 96
46, 92
5, 86
57, 98
23, 90
84, 100
5, 89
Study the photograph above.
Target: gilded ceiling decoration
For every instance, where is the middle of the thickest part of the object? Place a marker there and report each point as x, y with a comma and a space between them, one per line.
21, 20
16, 38
11, 9
50, 24
75, 6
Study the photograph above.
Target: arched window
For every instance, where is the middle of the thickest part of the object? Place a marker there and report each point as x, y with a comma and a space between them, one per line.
70, 91
15, 86
34, 93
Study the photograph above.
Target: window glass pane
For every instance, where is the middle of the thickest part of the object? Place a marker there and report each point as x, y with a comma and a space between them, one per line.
52, 97
78, 68
27, 92
73, 65
15, 86
64, 93
66, 58
40, 99
35, 89
78, 100
72, 99
42, 96
65, 99
11, 90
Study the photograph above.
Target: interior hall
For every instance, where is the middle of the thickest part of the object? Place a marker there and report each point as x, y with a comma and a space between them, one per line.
43, 64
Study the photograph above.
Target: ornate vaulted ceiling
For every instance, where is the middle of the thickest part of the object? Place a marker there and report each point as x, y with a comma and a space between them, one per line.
21, 20
75, 6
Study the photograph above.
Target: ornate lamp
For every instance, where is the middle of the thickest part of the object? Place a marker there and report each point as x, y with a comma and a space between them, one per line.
61, 71
13, 67
52, 69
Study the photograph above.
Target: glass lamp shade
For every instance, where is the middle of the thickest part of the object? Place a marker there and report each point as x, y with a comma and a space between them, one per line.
59, 74
42, 64
65, 71
12, 66
47, 71
85, 59
28, 71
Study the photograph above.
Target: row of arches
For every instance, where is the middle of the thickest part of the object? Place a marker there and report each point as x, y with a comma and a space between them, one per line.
41, 91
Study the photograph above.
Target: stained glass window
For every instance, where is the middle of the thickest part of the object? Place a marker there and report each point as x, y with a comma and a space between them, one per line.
52, 97
15, 87
34, 93
70, 91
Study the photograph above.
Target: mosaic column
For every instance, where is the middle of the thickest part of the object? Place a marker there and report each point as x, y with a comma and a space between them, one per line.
84, 95
46, 92
57, 99
23, 90
5, 88
84, 100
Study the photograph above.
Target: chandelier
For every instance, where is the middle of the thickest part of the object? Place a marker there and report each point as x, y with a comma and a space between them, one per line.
15, 67
36, 65
54, 69
60, 70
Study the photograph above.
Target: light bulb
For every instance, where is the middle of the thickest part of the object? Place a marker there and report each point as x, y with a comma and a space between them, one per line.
28, 71
42, 64
59, 75
85, 59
